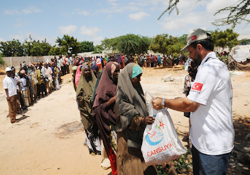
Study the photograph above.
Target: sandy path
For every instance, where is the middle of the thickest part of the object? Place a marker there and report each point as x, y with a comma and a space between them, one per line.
37, 144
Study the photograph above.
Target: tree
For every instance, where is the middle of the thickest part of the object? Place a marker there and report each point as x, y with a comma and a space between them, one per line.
36, 48
167, 44
11, 48
68, 44
86, 46
54, 50
244, 42
237, 12
98, 49
225, 38
2, 62
128, 44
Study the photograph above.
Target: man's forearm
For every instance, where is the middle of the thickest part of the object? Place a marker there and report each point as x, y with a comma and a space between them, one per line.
6, 92
180, 104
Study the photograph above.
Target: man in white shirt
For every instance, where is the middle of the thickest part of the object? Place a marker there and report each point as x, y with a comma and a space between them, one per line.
210, 104
11, 93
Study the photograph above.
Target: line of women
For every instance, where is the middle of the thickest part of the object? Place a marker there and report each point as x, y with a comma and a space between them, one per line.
114, 111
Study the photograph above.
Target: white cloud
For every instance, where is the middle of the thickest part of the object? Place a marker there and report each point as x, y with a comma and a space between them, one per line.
113, 2
30, 9
121, 9
182, 21
18, 23
17, 37
214, 5
97, 40
1, 39
89, 31
138, 16
83, 12
67, 29
11, 12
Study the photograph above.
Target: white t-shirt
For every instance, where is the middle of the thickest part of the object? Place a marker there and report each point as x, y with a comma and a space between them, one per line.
212, 130
23, 86
9, 83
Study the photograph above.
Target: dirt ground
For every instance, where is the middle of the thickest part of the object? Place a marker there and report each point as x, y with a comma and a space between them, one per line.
49, 140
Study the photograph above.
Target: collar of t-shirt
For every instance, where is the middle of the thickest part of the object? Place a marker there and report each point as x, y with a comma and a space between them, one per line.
210, 55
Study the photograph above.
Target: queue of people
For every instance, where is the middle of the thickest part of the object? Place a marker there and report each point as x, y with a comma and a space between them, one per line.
114, 111
32, 82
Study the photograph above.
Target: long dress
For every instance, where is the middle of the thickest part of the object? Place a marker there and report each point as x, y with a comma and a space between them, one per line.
130, 108
105, 116
84, 92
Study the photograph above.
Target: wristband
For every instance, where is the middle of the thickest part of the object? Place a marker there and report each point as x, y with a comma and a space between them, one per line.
163, 103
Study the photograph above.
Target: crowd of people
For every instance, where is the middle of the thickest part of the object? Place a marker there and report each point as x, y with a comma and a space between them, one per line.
113, 108
114, 111
32, 82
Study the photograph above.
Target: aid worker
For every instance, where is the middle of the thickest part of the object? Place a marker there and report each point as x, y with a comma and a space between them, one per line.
210, 104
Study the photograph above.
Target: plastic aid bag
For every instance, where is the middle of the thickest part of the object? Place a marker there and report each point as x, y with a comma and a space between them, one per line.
160, 141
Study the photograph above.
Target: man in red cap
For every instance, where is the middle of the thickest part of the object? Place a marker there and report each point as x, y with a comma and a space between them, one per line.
210, 104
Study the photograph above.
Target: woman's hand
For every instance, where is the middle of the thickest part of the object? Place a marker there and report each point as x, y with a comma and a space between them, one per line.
148, 120
111, 101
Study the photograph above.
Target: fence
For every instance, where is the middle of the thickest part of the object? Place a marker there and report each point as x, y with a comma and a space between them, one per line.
15, 61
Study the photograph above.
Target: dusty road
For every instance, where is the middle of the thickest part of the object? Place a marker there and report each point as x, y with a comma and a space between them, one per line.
50, 140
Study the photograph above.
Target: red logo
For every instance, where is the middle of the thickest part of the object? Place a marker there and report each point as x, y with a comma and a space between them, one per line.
197, 86
193, 37
162, 124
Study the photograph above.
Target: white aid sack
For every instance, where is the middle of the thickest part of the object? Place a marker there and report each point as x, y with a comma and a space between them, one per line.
160, 140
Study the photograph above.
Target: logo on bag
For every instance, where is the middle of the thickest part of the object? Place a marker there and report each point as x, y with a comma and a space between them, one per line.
167, 147
154, 135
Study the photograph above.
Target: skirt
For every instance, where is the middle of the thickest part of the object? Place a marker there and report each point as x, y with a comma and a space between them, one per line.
129, 160
93, 139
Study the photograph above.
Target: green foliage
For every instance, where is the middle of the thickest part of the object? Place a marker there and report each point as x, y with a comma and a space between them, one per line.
225, 38
1, 60
86, 46
224, 59
167, 44
244, 42
68, 44
98, 49
54, 50
11, 48
128, 44
36, 48
237, 13
161, 170
184, 162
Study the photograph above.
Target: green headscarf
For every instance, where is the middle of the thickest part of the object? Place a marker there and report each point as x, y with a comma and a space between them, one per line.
136, 71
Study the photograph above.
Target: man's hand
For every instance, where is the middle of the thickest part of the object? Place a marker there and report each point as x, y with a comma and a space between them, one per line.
157, 103
8, 98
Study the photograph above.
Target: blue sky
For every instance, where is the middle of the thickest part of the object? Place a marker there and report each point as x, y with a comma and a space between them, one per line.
94, 20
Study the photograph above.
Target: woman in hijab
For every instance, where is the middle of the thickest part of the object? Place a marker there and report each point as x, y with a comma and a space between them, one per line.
132, 118
78, 74
84, 92
159, 60
103, 110
95, 69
